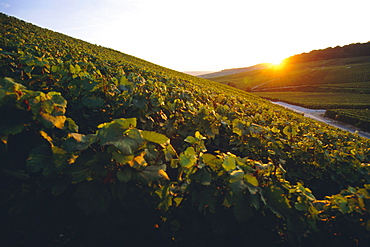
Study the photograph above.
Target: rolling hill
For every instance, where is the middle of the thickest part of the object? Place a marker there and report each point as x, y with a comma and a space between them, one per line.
235, 71
100, 148
333, 78
306, 72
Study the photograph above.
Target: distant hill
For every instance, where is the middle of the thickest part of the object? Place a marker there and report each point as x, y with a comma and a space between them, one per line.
347, 51
333, 78
236, 70
197, 73
327, 69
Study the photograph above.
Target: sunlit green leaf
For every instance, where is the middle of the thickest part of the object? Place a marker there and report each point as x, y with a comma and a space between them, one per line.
188, 158
115, 133
236, 175
127, 145
125, 85
50, 121
198, 136
124, 81
212, 161
238, 127
154, 137
70, 125
229, 163
251, 179
78, 141
54, 68
190, 139
120, 123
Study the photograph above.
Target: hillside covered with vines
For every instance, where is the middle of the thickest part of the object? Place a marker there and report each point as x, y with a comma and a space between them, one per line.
101, 148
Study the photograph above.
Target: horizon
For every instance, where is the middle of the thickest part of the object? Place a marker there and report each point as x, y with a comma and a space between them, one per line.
201, 35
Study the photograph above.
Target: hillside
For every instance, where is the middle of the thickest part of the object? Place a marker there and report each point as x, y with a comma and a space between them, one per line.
331, 75
334, 78
197, 73
235, 71
100, 148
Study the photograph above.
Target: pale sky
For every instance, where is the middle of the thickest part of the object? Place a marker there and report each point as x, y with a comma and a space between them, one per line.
206, 35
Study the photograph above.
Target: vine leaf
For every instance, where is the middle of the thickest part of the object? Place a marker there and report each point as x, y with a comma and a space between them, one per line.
203, 176
121, 134
78, 142
154, 173
125, 85
124, 175
52, 121
251, 179
277, 201
39, 158
151, 136
229, 163
188, 158
93, 102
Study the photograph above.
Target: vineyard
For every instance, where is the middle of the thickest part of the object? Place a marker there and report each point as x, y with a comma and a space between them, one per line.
314, 76
314, 100
357, 117
100, 148
334, 78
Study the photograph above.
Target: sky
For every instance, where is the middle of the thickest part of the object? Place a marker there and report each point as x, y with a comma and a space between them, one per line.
202, 35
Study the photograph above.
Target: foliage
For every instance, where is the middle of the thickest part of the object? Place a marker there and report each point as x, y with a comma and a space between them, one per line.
102, 148
316, 100
347, 51
335, 75
333, 78
358, 117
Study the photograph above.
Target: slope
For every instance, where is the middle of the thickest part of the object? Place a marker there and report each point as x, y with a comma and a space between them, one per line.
102, 148
333, 75
334, 78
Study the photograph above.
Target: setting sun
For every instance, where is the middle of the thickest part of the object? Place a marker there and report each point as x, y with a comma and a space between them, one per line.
277, 61
278, 64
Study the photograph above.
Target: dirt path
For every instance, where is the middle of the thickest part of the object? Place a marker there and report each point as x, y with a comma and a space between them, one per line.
319, 116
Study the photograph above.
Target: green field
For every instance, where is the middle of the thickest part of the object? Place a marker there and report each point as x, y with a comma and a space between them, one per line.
315, 100
100, 148
349, 108
357, 117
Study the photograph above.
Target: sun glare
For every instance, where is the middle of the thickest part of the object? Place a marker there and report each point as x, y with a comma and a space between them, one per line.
278, 64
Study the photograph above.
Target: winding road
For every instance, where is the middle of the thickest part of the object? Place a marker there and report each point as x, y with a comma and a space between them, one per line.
319, 116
